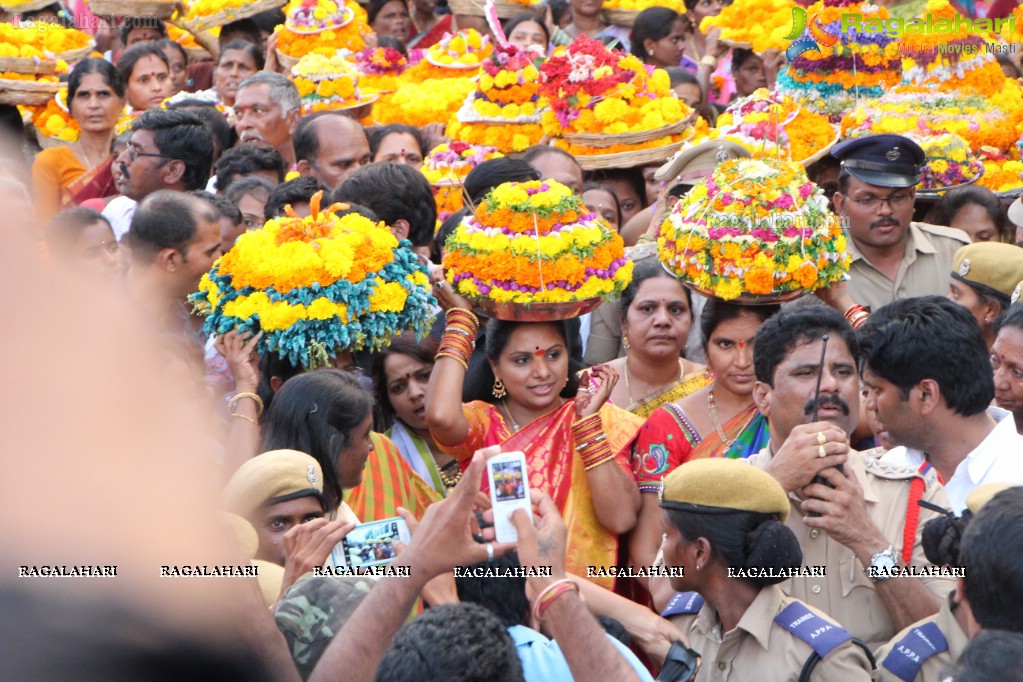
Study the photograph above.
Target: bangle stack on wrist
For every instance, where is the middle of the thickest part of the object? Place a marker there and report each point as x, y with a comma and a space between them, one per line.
709, 60
245, 394
591, 442
459, 337
856, 316
550, 593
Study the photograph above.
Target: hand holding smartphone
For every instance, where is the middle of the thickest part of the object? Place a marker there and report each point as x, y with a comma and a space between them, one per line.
509, 490
371, 544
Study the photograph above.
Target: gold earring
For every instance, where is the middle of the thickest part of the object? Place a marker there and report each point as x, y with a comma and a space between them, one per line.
625, 342
499, 390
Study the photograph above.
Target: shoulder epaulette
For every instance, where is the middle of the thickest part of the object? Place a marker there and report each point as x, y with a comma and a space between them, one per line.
910, 653
892, 472
683, 603
822, 635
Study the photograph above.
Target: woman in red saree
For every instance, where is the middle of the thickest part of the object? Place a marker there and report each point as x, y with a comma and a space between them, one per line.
67, 175
576, 447
719, 420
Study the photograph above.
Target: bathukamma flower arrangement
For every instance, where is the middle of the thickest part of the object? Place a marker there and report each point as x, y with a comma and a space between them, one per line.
757, 229
317, 285
535, 242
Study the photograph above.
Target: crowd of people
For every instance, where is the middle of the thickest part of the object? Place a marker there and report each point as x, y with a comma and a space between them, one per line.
825, 489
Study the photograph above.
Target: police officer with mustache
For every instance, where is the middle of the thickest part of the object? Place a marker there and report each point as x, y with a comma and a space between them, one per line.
892, 255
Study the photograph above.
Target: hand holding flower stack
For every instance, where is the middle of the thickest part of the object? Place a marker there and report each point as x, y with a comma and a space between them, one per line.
756, 229
315, 285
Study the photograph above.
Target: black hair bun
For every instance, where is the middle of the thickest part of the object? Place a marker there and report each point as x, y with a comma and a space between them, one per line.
941, 537
772, 545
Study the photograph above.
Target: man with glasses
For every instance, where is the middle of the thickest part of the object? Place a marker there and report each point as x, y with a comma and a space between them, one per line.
168, 149
892, 256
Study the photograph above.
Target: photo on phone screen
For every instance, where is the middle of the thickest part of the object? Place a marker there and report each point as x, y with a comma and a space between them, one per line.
508, 481
373, 544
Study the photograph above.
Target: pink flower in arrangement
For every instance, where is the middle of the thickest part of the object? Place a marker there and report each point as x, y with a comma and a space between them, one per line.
726, 198
806, 190
784, 201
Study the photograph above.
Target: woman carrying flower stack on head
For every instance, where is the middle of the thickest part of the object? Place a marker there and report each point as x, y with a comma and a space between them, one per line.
705, 54
718, 420
67, 175
656, 315
533, 250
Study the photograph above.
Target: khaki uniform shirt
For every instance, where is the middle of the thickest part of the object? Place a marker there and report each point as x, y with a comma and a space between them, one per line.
916, 649
846, 593
760, 649
924, 270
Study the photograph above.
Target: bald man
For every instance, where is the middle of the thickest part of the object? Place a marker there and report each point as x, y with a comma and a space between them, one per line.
330, 147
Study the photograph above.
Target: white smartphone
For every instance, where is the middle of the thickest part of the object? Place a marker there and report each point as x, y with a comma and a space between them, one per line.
371, 544
509, 490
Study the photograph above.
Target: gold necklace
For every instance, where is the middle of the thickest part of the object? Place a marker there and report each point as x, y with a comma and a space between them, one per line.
628, 388
713, 409
507, 411
448, 480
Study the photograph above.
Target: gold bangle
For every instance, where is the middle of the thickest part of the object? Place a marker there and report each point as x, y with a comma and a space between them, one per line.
708, 60
239, 396
459, 360
246, 418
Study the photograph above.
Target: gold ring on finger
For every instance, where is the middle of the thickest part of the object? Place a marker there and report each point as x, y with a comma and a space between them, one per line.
821, 452
821, 438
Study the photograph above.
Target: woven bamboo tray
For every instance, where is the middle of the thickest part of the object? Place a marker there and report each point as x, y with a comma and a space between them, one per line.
286, 61
620, 17
505, 9
23, 7
28, 93
228, 15
640, 157
72, 56
48, 141
599, 140
28, 66
160, 9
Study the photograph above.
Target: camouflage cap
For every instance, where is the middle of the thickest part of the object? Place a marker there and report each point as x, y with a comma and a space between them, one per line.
314, 610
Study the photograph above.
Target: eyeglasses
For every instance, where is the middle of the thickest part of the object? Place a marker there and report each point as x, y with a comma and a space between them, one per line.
873, 203
134, 153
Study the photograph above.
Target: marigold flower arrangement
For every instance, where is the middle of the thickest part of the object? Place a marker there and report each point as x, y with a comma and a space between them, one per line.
592, 89
326, 83
467, 48
55, 121
508, 138
422, 103
949, 162
1001, 172
535, 242
983, 121
42, 43
951, 61
756, 228
380, 68
186, 39
509, 88
1013, 33
760, 24
317, 285
446, 166
768, 124
859, 65
333, 38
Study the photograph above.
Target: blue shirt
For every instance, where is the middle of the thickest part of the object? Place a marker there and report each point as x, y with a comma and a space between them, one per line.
542, 660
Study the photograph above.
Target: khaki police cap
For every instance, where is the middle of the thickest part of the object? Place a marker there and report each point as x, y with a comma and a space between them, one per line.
720, 486
272, 477
992, 266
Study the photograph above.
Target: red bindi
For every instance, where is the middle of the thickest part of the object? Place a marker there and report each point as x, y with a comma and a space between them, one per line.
539, 352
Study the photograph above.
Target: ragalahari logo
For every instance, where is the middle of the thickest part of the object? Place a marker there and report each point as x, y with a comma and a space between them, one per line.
807, 35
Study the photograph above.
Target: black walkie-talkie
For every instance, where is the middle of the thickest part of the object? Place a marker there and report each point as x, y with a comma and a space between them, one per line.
816, 406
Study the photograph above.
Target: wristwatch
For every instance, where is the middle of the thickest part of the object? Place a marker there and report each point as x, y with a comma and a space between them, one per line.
881, 565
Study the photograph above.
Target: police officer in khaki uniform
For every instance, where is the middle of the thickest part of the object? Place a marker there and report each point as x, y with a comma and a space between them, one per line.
722, 519
928, 649
983, 278
892, 256
867, 515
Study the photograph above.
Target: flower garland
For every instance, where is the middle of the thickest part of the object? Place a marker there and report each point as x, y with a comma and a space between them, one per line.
949, 162
535, 242
332, 39
326, 83
761, 24
317, 285
422, 103
756, 227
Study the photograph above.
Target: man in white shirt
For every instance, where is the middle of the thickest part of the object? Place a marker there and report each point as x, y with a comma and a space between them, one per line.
927, 373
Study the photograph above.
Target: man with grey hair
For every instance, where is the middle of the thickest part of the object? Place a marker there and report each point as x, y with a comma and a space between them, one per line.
267, 109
